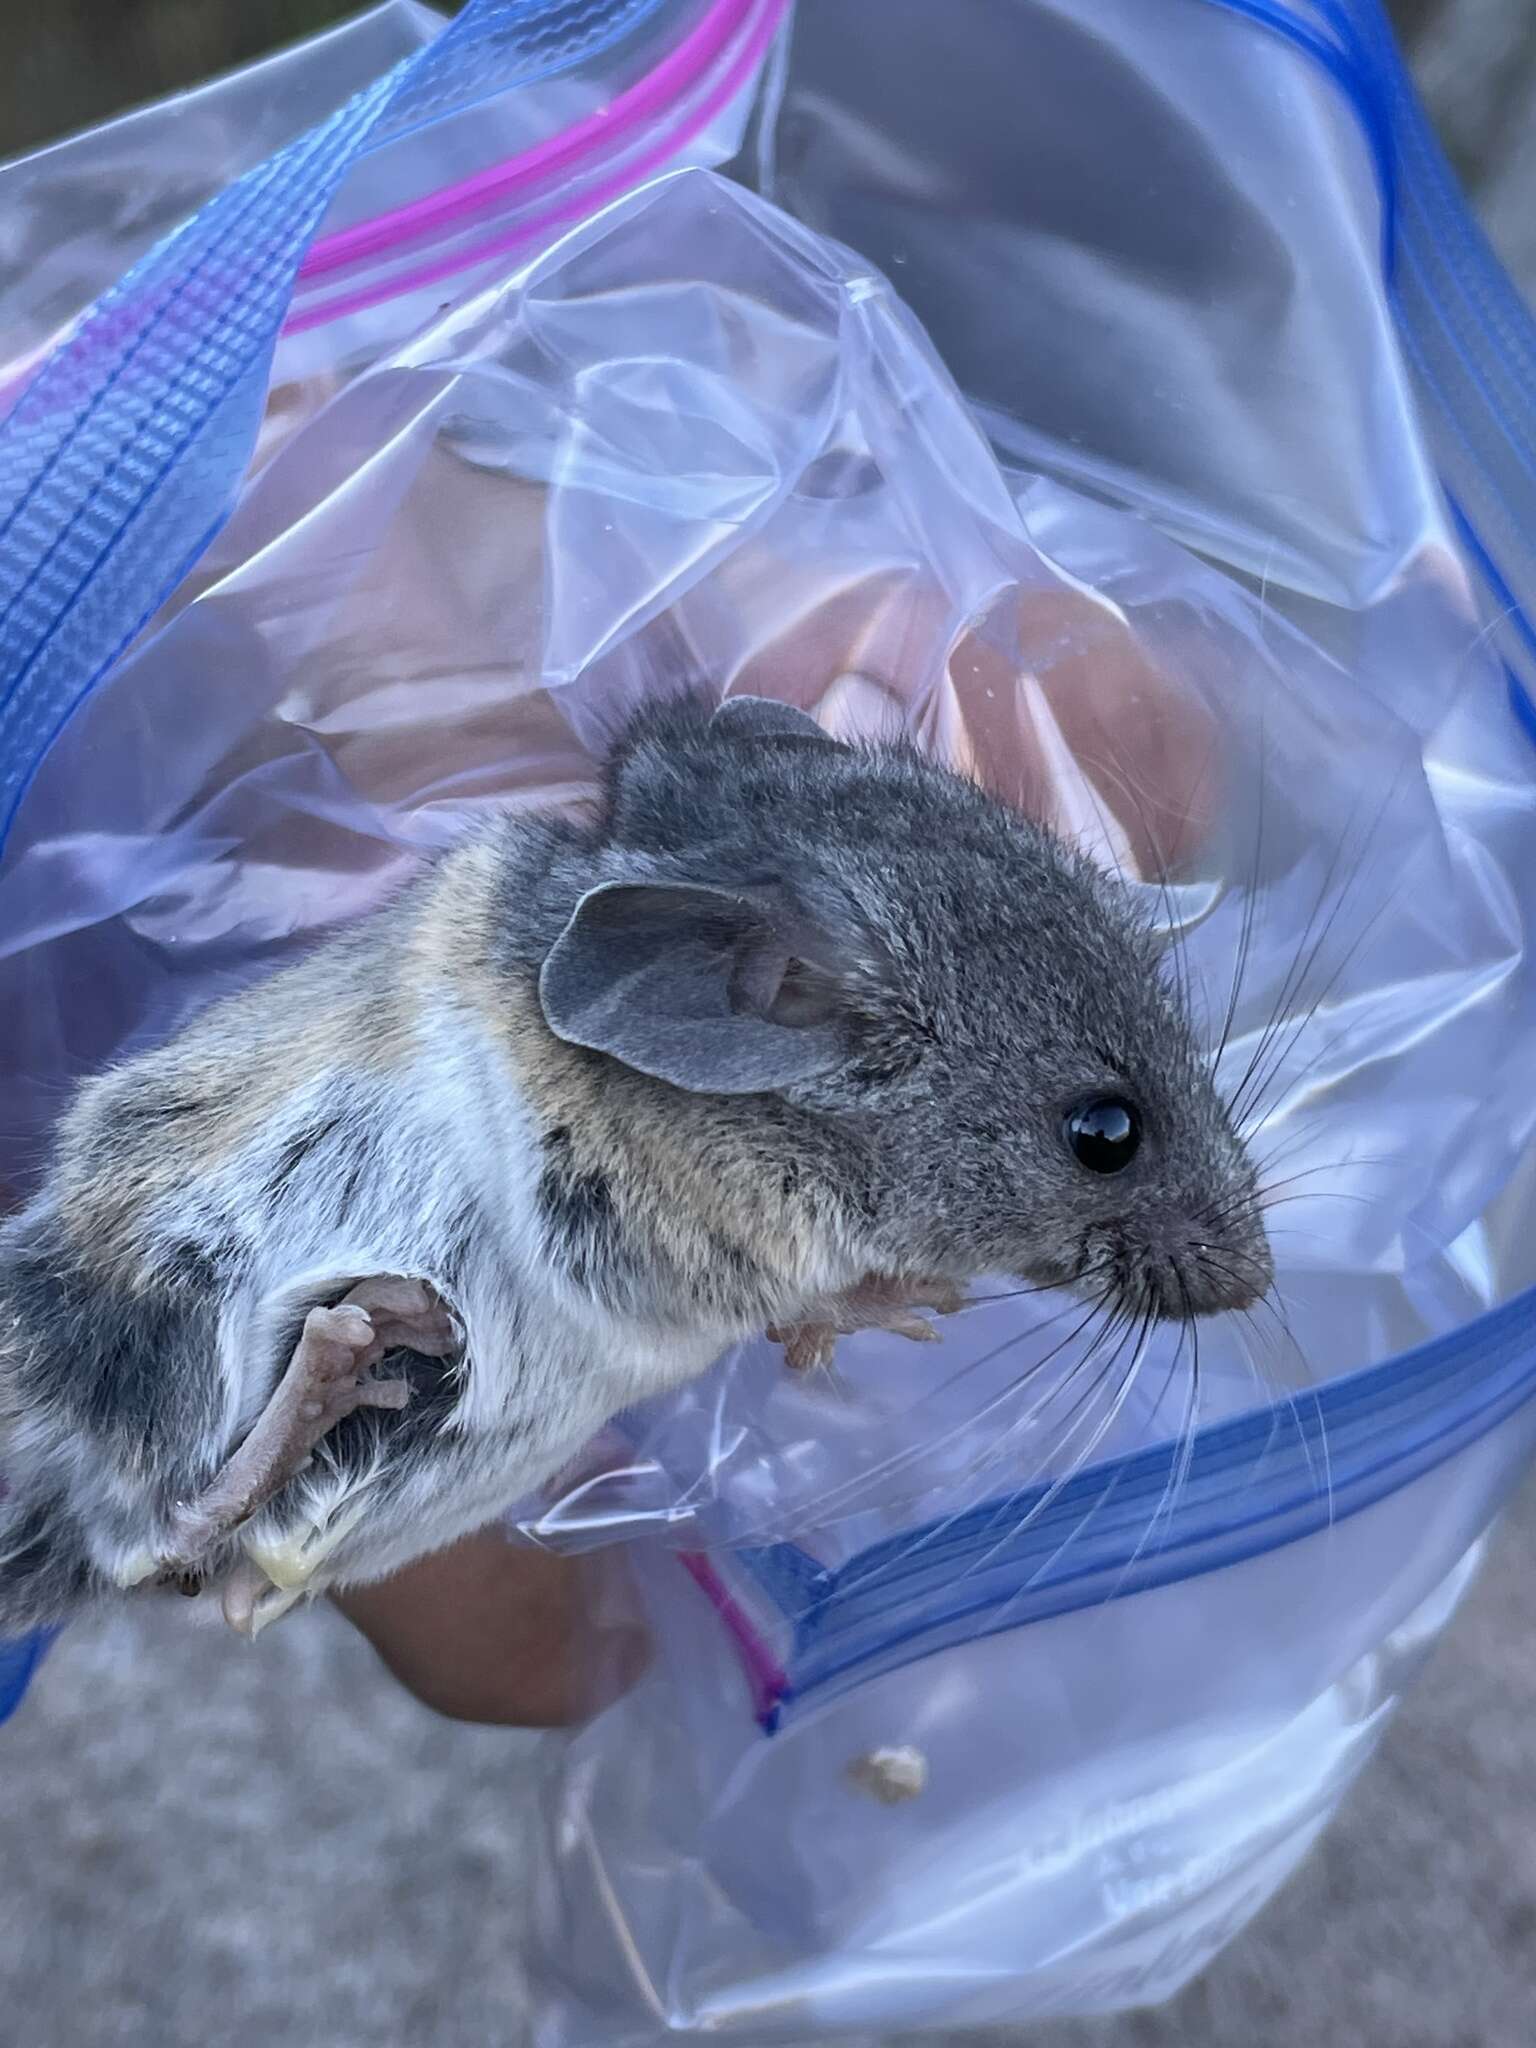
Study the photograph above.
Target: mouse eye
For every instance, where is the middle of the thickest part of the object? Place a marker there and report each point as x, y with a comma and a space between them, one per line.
1104, 1132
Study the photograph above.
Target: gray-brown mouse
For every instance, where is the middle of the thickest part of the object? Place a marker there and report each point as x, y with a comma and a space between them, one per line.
794, 1034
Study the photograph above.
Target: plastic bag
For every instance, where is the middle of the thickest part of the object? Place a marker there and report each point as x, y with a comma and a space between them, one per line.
123, 448
1176, 1660
1077, 1673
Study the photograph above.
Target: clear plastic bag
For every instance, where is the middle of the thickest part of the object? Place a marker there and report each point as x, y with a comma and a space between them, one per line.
983, 1688
76, 215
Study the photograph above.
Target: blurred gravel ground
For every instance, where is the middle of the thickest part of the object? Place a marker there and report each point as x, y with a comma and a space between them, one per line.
201, 1844
204, 1843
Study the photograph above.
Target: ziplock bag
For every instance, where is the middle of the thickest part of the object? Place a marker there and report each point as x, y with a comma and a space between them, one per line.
1011, 1679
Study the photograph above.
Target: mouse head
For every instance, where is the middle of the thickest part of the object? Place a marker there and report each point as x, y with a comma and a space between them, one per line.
981, 1014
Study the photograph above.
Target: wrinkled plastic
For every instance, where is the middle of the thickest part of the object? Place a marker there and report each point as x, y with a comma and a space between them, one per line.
580, 490
131, 407
1170, 1756
76, 215
1007, 1677
123, 447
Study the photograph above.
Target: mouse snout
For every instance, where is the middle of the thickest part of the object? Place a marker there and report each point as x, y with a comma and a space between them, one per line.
1200, 1278
1188, 1275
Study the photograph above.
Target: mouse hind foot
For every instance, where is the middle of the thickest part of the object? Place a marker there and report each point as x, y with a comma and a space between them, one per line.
329, 1376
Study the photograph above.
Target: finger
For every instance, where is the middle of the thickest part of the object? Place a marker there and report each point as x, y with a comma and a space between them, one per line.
914, 1329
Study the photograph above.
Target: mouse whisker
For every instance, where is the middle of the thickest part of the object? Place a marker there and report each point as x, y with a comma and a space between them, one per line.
999, 1447
1015, 1294
1277, 1392
1274, 1306
1261, 1067
1011, 1526
1135, 1330
1244, 1102
1183, 1437
1249, 923
859, 1489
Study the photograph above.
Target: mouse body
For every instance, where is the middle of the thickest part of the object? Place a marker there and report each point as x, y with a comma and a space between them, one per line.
791, 1034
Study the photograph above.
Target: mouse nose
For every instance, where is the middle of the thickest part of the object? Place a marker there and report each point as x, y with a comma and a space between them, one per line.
1203, 1279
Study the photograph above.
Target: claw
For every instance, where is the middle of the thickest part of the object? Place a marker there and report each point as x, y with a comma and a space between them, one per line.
916, 1329
272, 1607
808, 1347
944, 1297
252, 1602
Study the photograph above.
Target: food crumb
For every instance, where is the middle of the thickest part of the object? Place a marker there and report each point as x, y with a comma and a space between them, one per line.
893, 1776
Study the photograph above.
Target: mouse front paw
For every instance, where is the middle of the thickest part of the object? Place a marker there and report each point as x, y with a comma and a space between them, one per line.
808, 1347
878, 1302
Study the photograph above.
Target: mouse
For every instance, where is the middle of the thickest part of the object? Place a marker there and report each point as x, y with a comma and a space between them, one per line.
786, 1033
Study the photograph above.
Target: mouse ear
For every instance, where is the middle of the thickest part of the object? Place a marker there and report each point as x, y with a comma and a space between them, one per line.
701, 986
766, 718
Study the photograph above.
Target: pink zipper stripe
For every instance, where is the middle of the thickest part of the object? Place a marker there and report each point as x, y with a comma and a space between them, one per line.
636, 107
633, 108
586, 202
766, 1676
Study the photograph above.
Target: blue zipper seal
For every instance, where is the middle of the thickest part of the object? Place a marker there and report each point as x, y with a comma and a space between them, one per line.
1251, 1486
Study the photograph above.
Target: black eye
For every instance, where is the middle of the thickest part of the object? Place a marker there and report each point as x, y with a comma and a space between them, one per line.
1104, 1132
